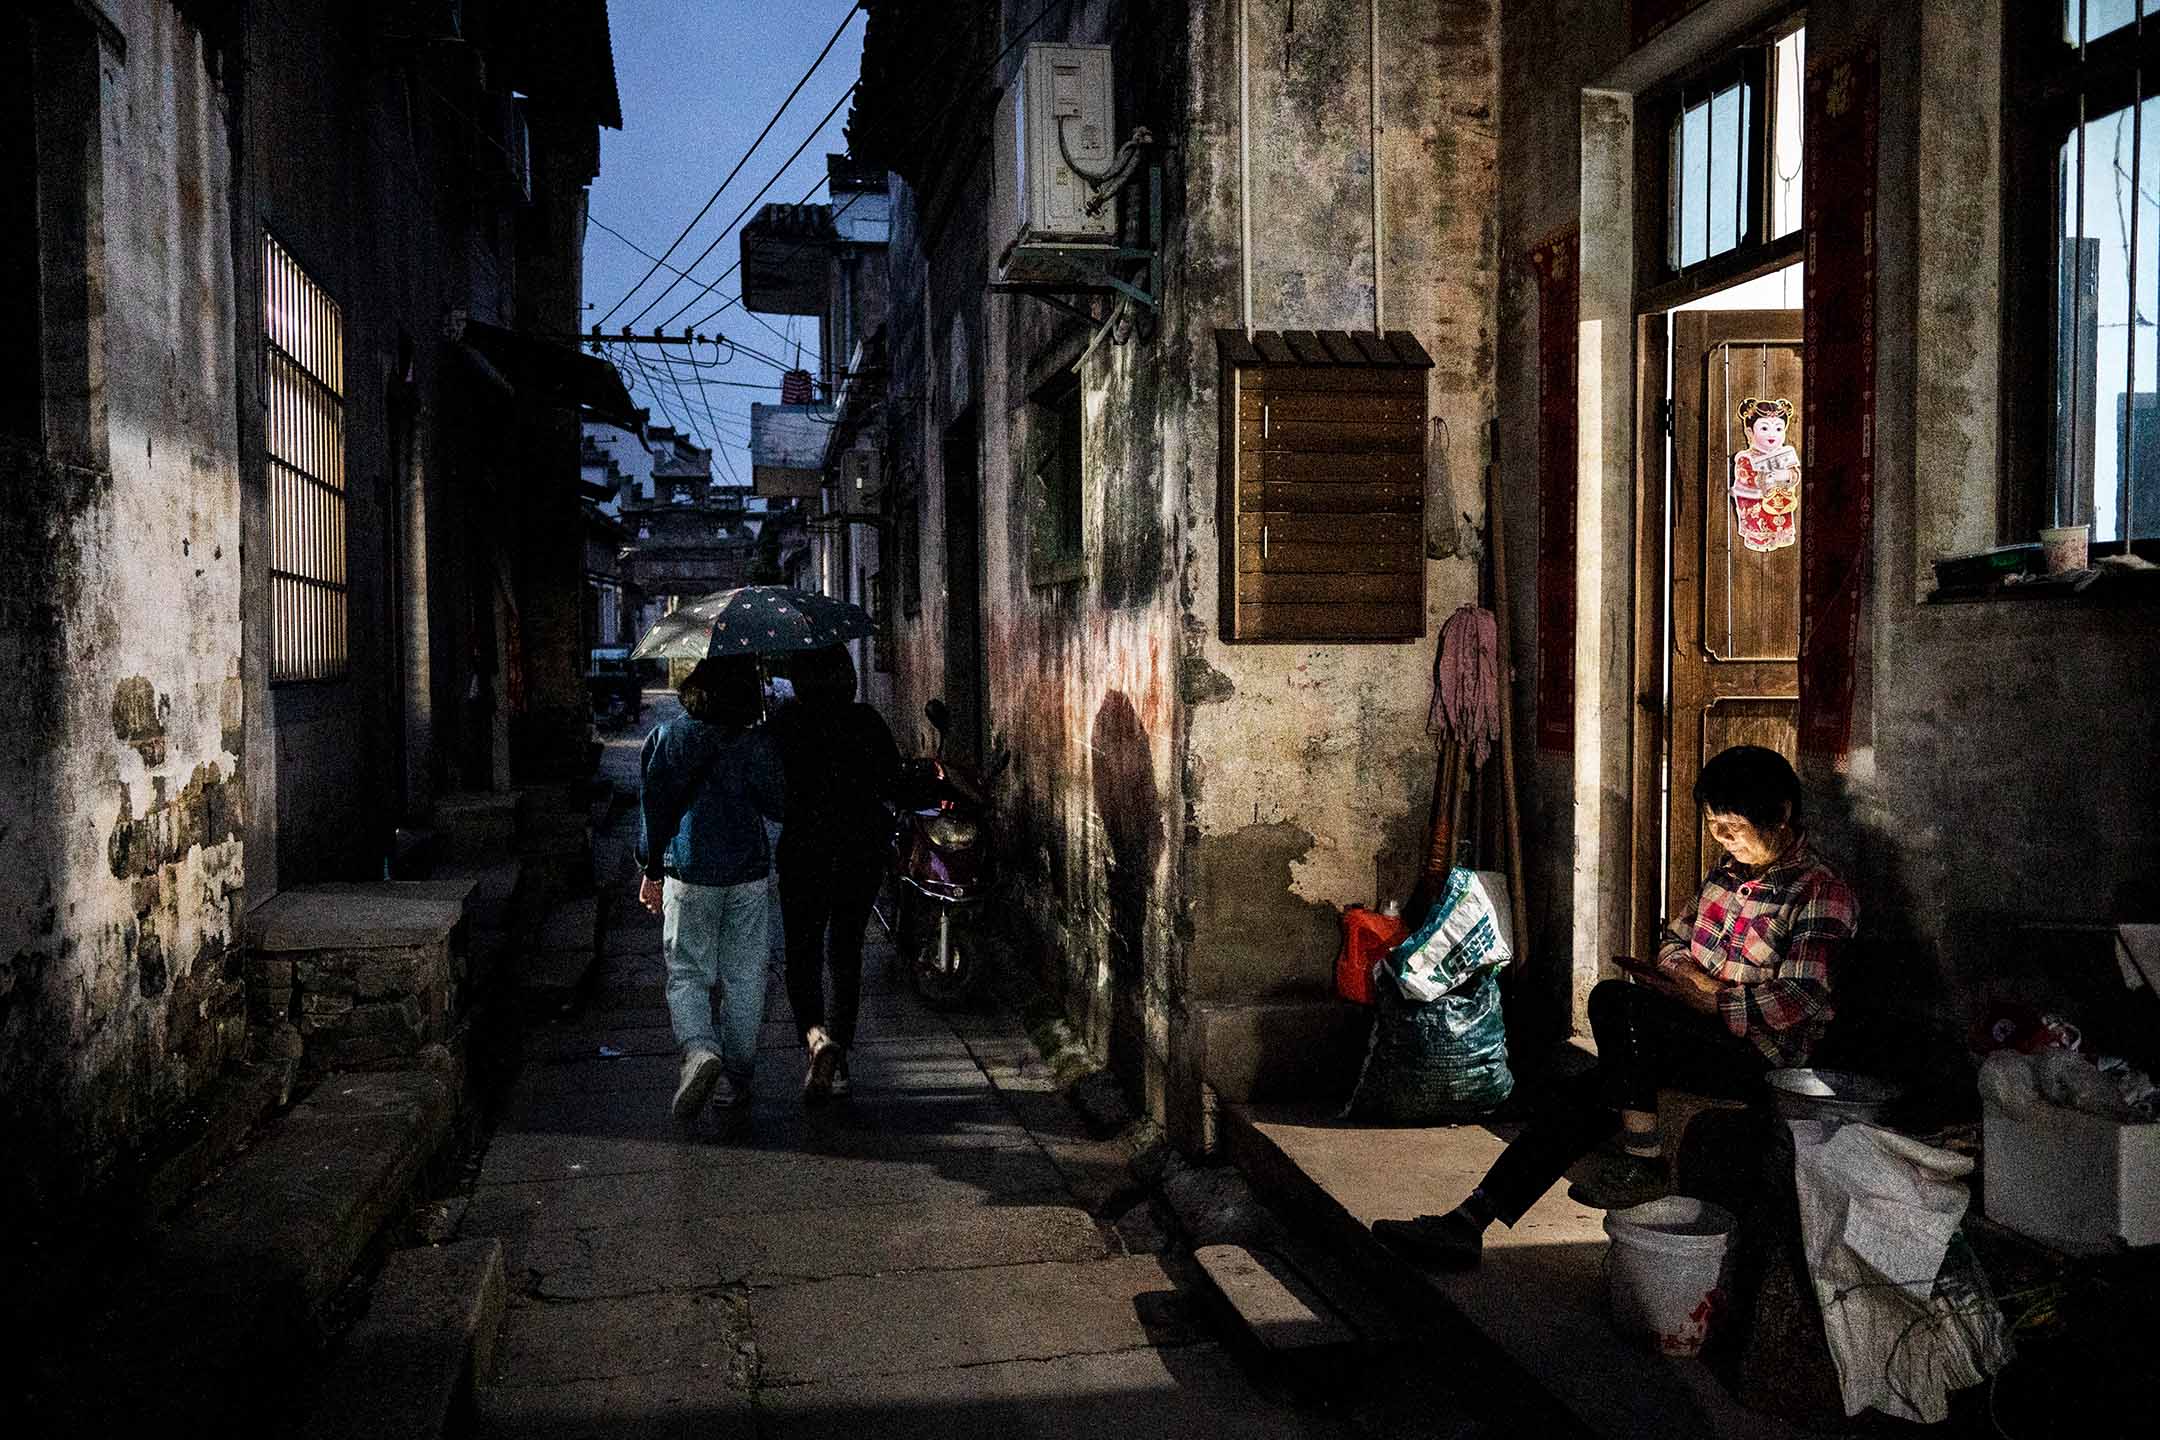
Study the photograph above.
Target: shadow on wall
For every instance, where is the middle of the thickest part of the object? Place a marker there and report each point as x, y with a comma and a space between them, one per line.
1130, 807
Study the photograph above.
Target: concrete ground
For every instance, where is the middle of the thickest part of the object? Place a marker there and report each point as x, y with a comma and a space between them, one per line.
1539, 1295
907, 1262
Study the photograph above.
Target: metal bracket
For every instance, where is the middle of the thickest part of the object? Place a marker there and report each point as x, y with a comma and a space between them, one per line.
1091, 266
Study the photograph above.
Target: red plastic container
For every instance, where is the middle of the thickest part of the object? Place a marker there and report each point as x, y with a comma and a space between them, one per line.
1367, 935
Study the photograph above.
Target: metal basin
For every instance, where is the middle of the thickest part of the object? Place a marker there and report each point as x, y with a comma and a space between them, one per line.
1831, 1095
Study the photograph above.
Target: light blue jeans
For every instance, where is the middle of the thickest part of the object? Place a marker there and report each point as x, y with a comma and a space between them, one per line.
776, 952
714, 938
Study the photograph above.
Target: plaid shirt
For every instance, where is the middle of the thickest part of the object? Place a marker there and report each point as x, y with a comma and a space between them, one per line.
1773, 938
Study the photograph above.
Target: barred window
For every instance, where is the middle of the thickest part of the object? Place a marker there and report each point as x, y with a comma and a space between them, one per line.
304, 438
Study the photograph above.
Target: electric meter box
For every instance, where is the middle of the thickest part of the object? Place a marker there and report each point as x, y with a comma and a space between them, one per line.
1057, 109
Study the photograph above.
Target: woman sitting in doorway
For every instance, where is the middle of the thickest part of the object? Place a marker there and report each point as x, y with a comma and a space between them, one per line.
1741, 986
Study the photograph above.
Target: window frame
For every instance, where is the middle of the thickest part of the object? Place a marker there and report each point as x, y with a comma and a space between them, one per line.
2049, 89
324, 564
1058, 479
1659, 285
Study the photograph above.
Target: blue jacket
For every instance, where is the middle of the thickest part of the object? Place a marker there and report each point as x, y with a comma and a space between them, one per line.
706, 794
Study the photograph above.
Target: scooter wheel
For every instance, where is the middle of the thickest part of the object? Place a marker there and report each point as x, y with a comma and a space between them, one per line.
949, 980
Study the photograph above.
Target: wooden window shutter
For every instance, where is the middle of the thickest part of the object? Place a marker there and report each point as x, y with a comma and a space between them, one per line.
1323, 485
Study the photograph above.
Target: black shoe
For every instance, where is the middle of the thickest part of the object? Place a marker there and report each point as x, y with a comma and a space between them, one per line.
1621, 1182
1450, 1242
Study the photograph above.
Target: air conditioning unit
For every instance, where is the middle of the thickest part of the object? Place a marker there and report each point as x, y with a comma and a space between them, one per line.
1056, 115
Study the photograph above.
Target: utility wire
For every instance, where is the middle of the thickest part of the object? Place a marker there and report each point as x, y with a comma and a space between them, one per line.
845, 96
922, 132
713, 198
770, 328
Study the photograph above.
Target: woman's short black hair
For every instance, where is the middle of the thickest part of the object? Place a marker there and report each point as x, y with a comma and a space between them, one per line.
724, 691
824, 676
1753, 782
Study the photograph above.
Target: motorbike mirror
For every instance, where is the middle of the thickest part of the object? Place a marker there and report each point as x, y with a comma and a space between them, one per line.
939, 715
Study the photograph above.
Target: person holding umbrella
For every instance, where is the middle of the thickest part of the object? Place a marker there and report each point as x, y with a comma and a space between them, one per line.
709, 783
840, 762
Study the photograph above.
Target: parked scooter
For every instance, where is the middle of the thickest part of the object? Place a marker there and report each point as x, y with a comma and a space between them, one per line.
941, 870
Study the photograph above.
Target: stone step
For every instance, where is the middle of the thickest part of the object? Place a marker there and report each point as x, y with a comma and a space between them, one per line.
408, 1369
367, 974
475, 826
1291, 1331
218, 1315
231, 1109
553, 972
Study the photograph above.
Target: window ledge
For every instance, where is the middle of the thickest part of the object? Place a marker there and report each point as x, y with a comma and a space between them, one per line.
2106, 591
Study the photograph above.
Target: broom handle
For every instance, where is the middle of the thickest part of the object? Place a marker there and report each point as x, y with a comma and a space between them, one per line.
1517, 903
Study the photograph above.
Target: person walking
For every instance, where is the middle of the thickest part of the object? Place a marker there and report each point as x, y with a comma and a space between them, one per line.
709, 783
840, 762
1742, 985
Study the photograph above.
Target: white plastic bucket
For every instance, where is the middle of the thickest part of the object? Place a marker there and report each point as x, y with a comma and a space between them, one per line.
1665, 1271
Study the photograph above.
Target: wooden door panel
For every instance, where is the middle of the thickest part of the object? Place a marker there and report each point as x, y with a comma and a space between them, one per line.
1772, 722
1735, 612
1750, 608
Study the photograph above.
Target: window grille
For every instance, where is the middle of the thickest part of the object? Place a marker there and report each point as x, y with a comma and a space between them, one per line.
304, 444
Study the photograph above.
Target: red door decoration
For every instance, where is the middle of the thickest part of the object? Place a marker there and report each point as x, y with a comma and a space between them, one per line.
1766, 477
1839, 182
1554, 259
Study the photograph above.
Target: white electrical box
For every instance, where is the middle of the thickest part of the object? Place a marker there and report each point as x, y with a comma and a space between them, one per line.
1056, 115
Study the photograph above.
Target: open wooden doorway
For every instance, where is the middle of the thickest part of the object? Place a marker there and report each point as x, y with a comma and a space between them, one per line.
1729, 581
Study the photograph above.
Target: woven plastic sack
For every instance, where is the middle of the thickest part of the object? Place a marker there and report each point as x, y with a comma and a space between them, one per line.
1442, 1060
1463, 933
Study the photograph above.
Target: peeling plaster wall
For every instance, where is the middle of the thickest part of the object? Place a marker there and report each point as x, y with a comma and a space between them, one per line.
1308, 769
120, 730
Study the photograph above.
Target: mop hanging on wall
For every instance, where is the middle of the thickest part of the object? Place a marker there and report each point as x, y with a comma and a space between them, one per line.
1766, 477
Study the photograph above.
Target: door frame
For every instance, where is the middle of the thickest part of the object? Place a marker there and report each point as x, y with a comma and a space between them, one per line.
1614, 770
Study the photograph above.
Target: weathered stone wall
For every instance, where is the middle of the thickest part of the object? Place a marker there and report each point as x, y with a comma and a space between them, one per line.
1308, 771
1999, 751
120, 727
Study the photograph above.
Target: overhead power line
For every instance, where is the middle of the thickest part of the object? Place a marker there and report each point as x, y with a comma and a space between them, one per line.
653, 304
922, 132
713, 198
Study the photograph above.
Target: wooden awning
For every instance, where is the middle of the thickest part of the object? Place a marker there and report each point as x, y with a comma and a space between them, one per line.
1395, 350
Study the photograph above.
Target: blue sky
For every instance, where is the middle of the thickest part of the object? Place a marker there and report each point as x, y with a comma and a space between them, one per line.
699, 79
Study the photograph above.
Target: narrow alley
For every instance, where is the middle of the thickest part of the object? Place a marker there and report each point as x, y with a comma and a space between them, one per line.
907, 1261
1498, 662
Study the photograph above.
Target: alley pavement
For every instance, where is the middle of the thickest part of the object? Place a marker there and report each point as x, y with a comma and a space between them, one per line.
906, 1261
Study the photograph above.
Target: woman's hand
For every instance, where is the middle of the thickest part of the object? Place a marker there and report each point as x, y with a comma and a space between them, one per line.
648, 893
1694, 987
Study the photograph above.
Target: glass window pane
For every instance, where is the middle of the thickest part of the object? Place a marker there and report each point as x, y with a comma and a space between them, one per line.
1694, 183
1788, 99
2102, 17
2104, 421
1728, 131
2138, 508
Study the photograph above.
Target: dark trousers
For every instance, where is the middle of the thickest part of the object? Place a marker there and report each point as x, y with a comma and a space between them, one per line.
825, 901
1645, 1041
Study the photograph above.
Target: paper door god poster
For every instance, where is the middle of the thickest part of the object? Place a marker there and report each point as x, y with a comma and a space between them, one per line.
1766, 477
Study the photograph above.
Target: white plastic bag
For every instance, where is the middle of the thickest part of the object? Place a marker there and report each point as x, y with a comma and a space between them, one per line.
1878, 1211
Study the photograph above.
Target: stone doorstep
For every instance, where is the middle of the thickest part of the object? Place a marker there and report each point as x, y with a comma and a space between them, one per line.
1534, 1309
408, 1369
231, 1110
1277, 1308
240, 1277
359, 919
